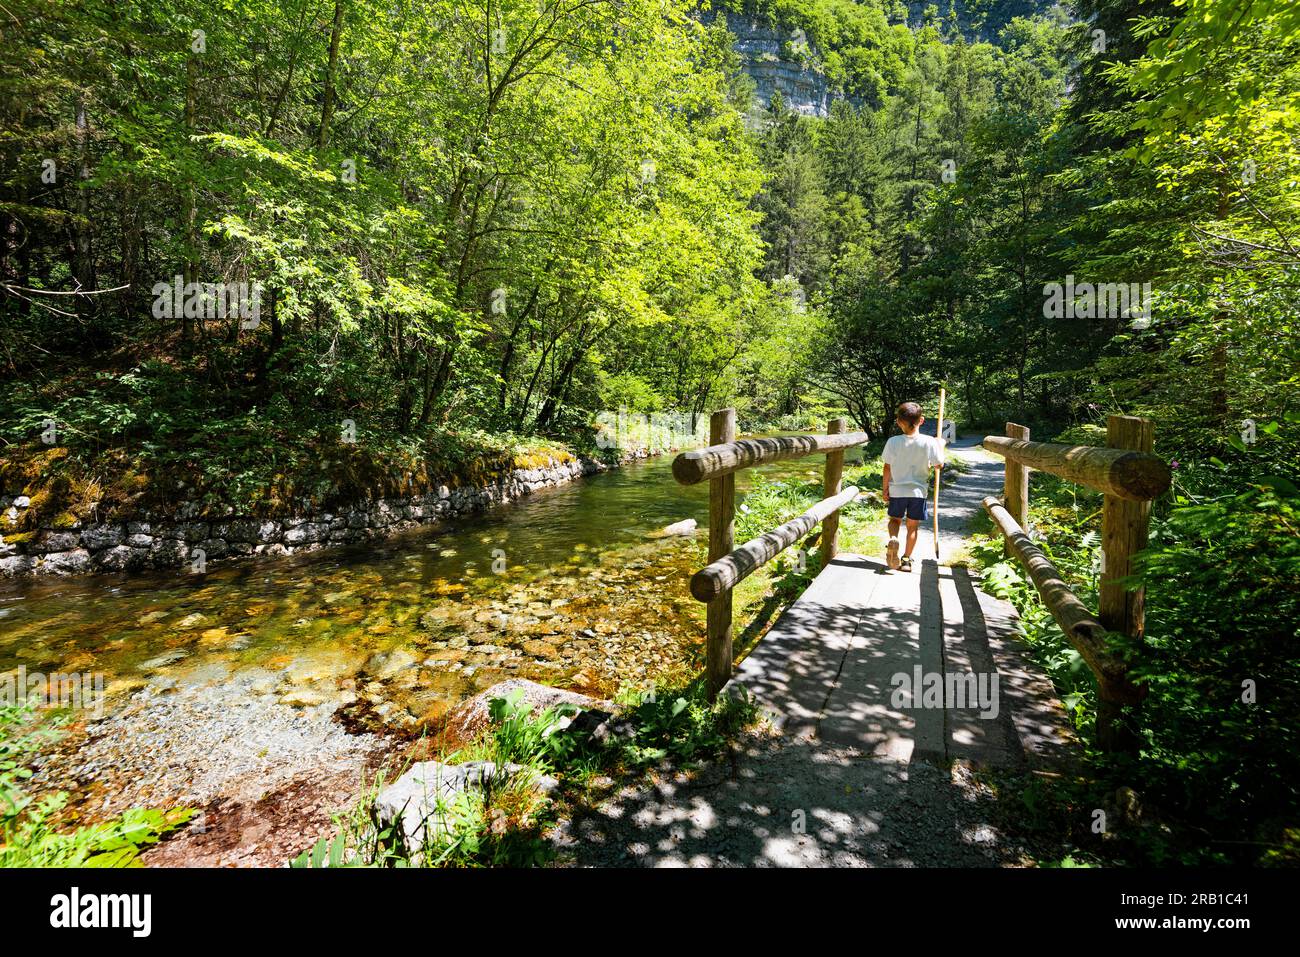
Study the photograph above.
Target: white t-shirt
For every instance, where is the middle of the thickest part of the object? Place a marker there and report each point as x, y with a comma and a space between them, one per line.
910, 459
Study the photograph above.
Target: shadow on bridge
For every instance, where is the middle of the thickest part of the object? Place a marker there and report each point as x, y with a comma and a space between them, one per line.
855, 776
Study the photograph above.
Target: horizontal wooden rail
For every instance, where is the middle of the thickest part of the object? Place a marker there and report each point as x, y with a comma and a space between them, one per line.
724, 574
1083, 630
1136, 476
718, 460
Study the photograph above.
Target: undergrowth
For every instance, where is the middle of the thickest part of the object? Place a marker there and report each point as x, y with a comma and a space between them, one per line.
504, 823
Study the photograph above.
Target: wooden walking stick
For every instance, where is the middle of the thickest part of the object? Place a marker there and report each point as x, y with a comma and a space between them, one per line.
938, 434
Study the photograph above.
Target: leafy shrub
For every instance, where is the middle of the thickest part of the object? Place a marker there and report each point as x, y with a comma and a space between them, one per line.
682, 726
521, 737
1223, 580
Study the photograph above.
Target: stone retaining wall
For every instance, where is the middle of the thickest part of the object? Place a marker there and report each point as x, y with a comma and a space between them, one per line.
187, 538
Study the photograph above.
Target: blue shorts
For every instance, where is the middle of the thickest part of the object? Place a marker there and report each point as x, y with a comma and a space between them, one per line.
916, 509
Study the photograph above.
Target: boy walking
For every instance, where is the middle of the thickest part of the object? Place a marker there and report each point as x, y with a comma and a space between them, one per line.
908, 460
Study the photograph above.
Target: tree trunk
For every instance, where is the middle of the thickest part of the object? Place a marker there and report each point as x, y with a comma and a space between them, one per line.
191, 209
84, 268
327, 108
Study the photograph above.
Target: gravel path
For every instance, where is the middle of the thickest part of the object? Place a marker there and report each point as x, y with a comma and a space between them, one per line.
961, 501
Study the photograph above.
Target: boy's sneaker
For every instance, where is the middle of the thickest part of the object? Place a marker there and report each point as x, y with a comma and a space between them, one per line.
891, 553
907, 563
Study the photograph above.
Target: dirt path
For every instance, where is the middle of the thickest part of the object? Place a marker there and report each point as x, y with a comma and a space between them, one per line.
849, 781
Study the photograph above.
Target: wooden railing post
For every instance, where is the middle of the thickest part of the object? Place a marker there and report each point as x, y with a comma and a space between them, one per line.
1015, 492
722, 538
830, 488
1124, 528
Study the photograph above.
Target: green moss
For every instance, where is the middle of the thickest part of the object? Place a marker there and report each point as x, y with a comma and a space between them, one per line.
110, 485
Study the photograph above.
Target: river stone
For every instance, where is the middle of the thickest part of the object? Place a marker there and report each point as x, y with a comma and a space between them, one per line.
307, 533
58, 541
685, 527
387, 664
168, 551
67, 563
122, 558
473, 714
540, 649
213, 548
17, 565
192, 531
163, 660
101, 536
421, 803
302, 698
240, 531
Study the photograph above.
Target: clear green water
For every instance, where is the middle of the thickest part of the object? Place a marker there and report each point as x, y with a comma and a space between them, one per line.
409, 625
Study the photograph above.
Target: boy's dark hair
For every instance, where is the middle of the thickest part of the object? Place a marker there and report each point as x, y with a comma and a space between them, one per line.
909, 412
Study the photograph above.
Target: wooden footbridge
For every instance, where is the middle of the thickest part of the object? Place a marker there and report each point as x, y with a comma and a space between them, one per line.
924, 665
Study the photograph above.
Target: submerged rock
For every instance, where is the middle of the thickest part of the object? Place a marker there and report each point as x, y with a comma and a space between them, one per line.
303, 698
163, 660
686, 526
387, 664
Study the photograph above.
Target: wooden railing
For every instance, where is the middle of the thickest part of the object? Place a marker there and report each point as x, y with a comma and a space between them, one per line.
1130, 476
728, 565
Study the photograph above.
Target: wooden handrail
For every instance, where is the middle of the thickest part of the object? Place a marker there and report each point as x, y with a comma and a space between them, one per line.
1083, 630
1128, 474
727, 566
727, 457
733, 568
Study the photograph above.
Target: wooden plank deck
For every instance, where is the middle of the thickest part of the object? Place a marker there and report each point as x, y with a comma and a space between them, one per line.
829, 667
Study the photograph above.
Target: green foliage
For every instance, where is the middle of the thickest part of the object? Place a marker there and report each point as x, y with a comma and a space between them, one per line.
1221, 659
495, 222
502, 826
1066, 519
679, 725
521, 737
1222, 601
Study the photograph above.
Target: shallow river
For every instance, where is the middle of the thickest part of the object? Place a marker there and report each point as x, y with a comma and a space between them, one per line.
565, 587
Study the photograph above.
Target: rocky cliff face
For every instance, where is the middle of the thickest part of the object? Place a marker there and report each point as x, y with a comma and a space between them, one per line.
778, 59
782, 59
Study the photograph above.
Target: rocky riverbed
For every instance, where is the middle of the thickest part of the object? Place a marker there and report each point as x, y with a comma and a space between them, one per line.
268, 692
